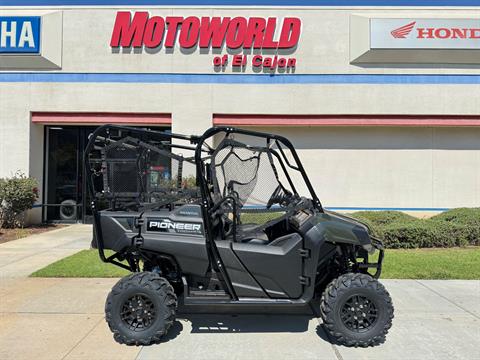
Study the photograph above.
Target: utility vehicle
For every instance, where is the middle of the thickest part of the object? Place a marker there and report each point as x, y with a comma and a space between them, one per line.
247, 233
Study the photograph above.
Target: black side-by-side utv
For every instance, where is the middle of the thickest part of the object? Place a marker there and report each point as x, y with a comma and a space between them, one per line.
247, 231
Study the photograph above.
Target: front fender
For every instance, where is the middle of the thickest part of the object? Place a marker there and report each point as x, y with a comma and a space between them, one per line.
341, 229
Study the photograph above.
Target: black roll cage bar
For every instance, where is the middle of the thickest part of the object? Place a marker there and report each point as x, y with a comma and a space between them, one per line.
207, 202
200, 147
117, 257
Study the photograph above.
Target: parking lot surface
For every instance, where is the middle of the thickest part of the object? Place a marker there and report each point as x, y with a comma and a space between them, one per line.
64, 318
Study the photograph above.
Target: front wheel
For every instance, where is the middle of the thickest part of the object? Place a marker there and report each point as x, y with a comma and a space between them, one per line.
356, 310
140, 309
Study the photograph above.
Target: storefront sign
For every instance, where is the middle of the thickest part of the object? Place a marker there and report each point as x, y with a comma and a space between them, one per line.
271, 34
424, 33
19, 34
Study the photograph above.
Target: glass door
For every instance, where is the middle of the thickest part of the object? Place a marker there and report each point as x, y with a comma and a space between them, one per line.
63, 189
66, 198
87, 216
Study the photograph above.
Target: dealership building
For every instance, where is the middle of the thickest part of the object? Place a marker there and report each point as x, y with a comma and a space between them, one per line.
382, 101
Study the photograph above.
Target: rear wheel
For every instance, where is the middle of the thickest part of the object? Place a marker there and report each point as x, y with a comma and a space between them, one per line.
356, 310
140, 309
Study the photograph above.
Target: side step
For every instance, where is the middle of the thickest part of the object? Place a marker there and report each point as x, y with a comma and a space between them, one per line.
205, 293
198, 297
219, 298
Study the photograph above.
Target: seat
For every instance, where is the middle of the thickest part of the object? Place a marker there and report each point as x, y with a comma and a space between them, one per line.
248, 233
257, 241
282, 240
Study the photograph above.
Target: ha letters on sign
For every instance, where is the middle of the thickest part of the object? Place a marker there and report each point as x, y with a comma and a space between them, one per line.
20, 34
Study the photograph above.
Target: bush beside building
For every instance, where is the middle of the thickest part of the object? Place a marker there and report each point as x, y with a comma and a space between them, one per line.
456, 227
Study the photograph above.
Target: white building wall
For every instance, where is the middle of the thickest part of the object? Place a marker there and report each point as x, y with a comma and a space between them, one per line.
323, 46
351, 167
401, 167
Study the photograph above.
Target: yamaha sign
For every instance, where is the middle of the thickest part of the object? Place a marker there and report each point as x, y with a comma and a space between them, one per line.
411, 33
31, 41
20, 34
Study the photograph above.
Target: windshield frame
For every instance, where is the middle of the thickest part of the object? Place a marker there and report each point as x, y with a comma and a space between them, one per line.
203, 178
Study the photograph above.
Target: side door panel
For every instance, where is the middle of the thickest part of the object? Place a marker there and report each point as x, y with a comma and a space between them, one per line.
242, 281
277, 266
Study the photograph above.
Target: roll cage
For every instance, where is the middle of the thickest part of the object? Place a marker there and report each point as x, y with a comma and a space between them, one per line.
229, 195
234, 180
135, 169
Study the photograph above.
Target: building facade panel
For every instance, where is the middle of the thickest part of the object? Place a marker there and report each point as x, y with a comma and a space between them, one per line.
418, 165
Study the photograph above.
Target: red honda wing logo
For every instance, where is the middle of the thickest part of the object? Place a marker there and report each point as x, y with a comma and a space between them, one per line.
402, 32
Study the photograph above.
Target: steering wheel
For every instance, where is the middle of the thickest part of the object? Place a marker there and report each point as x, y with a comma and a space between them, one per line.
276, 197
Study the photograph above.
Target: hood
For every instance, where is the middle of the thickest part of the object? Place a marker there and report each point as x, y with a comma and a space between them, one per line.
348, 219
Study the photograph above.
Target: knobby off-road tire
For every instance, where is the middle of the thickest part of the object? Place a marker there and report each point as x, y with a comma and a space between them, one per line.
356, 310
140, 309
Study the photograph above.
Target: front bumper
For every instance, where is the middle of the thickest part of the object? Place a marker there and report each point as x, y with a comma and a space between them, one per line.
376, 245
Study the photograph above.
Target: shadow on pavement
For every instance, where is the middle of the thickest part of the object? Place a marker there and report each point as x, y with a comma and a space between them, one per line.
323, 334
245, 323
209, 323
205, 323
173, 332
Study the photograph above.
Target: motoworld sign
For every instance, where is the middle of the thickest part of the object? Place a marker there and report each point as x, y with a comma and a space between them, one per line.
139, 30
408, 33
20, 34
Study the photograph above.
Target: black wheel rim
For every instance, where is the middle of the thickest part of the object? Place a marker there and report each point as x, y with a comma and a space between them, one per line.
359, 313
138, 312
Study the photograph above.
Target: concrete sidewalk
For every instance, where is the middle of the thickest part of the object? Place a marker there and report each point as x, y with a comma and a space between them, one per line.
19, 258
63, 319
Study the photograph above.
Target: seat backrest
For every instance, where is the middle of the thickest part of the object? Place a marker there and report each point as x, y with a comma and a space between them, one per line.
284, 239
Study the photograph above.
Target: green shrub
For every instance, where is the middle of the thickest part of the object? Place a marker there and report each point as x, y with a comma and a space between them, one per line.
460, 215
378, 220
423, 234
384, 218
467, 218
17, 194
189, 182
457, 227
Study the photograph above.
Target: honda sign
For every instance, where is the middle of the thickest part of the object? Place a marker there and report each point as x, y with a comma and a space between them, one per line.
411, 33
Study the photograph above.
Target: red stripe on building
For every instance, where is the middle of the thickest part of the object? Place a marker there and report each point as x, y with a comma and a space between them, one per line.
101, 118
345, 120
